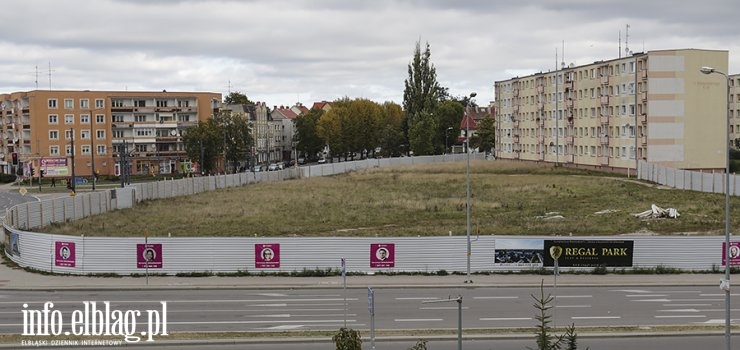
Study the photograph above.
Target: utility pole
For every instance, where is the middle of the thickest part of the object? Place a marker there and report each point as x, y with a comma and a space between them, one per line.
73, 185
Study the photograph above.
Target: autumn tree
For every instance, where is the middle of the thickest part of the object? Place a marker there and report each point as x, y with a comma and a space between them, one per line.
485, 137
236, 97
391, 130
203, 143
309, 142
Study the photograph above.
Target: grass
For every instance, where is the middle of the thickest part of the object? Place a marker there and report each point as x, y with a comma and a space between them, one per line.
508, 198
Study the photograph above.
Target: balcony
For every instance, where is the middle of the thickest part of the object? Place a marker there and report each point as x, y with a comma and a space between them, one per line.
569, 140
540, 89
643, 140
604, 80
604, 119
604, 100
540, 139
642, 118
643, 74
516, 138
569, 103
516, 123
516, 92
604, 140
643, 95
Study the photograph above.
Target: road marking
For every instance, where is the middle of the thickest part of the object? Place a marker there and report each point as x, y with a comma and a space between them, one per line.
272, 305
645, 295
655, 300
484, 298
240, 310
212, 301
254, 322
630, 290
705, 300
419, 298
570, 306
717, 295
417, 319
272, 295
301, 315
285, 327
437, 308
572, 296
669, 305
679, 310
595, 317
680, 316
505, 319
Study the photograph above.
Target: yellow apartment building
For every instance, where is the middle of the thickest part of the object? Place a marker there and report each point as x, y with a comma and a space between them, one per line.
48, 129
655, 106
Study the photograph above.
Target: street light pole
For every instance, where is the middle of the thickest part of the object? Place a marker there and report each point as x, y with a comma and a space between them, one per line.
467, 172
73, 185
710, 70
446, 131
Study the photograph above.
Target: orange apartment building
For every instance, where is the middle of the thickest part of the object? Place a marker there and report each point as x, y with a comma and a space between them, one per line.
41, 126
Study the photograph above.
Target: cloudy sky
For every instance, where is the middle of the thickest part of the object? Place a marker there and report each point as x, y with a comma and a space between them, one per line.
280, 51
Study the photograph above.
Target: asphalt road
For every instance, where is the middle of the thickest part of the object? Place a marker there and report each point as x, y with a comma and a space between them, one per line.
605, 343
200, 310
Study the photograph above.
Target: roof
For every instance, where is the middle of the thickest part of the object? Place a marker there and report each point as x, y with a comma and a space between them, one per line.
468, 122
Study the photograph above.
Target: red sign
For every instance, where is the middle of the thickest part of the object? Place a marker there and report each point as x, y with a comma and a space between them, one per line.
382, 255
64, 254
149, 256
266, 256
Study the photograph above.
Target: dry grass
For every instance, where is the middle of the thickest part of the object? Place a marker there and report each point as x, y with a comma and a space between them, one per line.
425, 200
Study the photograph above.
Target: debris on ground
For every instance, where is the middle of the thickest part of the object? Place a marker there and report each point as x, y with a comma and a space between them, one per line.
606, 211
550, 216
658, 212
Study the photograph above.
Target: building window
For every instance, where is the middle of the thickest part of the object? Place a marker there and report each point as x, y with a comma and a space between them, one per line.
84, 103
100, 134
84, 119
85, 149
161, 103
54, 135
139, 103
53, 150
100, 149
69, 119
85, 134
141, 148
140, 118
117, 134
52, 103
99, 103
117, 118
69, 134
69, 103
68, 150
53, 119
100, 118
115, 103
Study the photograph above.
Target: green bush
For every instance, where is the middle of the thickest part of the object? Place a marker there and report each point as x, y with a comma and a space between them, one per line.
7, 178
347, 339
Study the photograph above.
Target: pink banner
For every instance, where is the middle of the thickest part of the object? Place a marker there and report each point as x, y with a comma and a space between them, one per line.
64, 254
266, 256
149, 256
382, 255
734, 254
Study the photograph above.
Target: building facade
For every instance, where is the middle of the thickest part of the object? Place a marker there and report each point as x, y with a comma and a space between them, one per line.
656, 106
54, 130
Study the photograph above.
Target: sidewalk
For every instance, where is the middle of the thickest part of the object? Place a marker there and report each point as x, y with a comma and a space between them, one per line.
19, 279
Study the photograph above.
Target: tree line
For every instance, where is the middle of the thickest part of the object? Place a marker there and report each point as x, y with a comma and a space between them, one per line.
427, 123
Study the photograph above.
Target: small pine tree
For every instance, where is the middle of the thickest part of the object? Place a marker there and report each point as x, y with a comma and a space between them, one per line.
544, 337
347, 339
571, 337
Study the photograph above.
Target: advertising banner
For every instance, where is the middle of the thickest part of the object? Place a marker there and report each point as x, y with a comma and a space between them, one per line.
149, 256
518, 252
734, 254
588, 253
64, 254
54, 167
266, 256
382, 255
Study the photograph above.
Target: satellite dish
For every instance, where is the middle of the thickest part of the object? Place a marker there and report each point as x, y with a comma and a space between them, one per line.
173, 132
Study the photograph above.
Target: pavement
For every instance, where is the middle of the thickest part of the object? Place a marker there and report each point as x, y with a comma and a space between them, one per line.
20, 279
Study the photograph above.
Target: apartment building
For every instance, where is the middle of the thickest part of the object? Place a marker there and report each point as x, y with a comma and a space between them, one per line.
267, 132
51, 130
656, 106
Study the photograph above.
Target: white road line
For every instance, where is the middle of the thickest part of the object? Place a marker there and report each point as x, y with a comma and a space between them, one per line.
680, 316
272, 295
272, 305
505, 318
705, 300
595, 317
301, 315
256, 322
417, 319
645, 295
631, 291
679, 310
285, 327
240, 310
485, 298
717, 295
437, 308
572, 296
418, 298
570, 306
212, 301
654, 300
676, 305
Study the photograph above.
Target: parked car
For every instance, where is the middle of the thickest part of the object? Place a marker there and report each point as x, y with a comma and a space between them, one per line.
322, 160
281, 165
272, 167
257, 168
301, 160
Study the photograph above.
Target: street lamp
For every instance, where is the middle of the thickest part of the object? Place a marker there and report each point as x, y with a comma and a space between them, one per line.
467, 172
446, 131
710, 70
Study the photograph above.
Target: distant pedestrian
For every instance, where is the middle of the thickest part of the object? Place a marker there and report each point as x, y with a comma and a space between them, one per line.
53, 182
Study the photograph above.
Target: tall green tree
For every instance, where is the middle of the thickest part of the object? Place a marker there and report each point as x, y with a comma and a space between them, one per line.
485, 137
421, 95
206, 140
236, 97
237, 137
391, 130
450, 113
422, 134
309, 142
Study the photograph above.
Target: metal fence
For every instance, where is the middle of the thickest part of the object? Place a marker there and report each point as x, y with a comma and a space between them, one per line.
713, 182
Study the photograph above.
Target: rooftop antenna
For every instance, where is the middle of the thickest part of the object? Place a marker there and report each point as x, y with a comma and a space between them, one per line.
562, 63
50, 70
229, 86
626, 41
37, 77
620, 43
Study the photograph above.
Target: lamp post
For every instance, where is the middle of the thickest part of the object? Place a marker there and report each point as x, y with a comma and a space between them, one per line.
73, 186
467, 172
710, 70
446, 131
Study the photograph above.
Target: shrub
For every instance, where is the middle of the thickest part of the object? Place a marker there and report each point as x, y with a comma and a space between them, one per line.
347, 339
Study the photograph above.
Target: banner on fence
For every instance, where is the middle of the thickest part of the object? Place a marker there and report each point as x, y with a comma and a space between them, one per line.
589, 253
